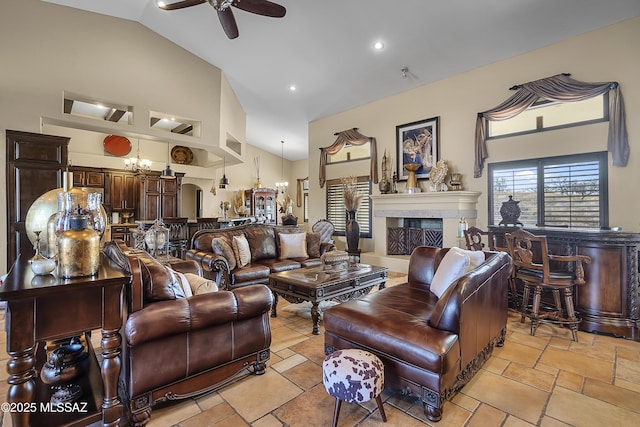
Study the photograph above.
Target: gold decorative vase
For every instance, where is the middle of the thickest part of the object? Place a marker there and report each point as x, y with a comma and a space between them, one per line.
412, 184
79, 249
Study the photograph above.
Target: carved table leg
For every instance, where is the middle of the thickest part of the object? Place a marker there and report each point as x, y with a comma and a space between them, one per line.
21, 369
110, 370
315, 317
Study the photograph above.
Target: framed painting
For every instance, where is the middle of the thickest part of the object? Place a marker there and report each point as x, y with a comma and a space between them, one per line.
417, 142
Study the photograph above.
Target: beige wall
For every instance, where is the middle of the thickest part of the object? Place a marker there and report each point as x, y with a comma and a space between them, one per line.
48, 50
608, 54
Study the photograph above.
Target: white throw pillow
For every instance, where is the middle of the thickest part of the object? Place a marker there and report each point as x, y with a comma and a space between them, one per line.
293, 245
475, 257
200, 285
180, 282
451, 268
241, 250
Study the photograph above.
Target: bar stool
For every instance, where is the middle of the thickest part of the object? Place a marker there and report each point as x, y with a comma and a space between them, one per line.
532, 261
353, 375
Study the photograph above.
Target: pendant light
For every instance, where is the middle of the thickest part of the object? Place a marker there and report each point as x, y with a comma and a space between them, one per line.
167, 172
224, 181
282, 185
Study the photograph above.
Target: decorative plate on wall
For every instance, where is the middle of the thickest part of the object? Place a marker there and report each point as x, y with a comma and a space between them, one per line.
182, 155
117, 145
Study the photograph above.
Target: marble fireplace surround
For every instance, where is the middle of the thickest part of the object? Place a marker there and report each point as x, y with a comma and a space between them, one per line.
388, 210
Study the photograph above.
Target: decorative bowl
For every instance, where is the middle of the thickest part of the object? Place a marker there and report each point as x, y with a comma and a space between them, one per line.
42, 267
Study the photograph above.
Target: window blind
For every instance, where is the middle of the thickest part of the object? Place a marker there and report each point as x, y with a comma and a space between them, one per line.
336, 212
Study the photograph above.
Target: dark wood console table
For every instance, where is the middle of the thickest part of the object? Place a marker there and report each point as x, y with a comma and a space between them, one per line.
46, 308
609, 301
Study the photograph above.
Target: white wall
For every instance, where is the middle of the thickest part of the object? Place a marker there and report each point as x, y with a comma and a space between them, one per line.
608, 54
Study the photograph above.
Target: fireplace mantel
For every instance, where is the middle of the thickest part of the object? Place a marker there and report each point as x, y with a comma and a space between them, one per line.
389, 209
443, 204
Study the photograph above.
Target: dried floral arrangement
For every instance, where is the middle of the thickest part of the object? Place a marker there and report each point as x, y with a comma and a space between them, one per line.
286, 204
238, 203
352, 196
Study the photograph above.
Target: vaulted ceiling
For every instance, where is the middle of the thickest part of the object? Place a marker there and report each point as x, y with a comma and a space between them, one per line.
325, 48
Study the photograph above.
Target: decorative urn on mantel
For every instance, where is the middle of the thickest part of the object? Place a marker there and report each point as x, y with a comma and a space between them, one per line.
412, 183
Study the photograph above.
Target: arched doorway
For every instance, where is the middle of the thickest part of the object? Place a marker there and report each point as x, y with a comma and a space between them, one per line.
191, 201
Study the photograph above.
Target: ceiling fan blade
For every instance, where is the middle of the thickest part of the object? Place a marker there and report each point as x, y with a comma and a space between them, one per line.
182, 4
228, 23
261, 7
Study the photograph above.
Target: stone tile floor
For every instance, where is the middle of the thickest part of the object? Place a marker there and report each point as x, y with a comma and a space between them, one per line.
546, 380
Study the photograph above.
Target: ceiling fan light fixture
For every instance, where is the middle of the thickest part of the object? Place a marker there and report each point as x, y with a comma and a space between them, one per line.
225, 14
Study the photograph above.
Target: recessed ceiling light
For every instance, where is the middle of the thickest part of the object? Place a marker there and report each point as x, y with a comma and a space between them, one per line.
292, 88
378, 45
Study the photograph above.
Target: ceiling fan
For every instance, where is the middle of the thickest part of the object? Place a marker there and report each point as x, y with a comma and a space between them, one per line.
223, 7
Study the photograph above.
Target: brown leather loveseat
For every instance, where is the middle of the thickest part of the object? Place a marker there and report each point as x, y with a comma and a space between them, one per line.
213, 250
429, 346
176, 347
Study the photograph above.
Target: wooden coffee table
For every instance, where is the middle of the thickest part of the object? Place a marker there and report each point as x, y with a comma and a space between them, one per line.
315, 284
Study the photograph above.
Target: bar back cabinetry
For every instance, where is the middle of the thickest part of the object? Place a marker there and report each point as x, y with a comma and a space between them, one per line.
609, 301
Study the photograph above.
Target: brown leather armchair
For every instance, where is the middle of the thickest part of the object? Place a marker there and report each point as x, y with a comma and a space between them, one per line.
175, 348
429, 346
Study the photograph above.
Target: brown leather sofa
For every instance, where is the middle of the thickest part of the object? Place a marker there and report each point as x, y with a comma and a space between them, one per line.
264, 243
179, 347
429, 346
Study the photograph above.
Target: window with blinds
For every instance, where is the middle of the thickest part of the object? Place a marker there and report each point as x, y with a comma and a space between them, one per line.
337, 214
567, 191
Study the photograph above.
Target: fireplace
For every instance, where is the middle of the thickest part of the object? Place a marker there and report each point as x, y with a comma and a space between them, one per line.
413, 232
429, 217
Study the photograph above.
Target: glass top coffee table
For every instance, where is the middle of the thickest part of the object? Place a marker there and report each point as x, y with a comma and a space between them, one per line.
316, 284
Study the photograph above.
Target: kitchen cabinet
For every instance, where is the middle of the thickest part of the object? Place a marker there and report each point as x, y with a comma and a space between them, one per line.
87, 177
261, 203
123, 232
34, 166
121, 191
160, 197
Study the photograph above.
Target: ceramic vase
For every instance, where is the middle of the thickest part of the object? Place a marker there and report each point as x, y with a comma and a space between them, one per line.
352, 232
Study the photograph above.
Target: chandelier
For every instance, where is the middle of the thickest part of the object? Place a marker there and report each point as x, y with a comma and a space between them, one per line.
282, 185
136, 164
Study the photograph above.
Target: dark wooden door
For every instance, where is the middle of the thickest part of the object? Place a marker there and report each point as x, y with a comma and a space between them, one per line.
34, 166
169, 197
151, 197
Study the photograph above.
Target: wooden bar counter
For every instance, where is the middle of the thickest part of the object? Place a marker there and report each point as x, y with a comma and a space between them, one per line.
609, 301
43, 308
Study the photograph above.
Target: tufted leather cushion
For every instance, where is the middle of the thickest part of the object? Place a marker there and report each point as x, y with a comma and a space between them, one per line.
325, 228
313, 245
221, 246
353, 375
262, 241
